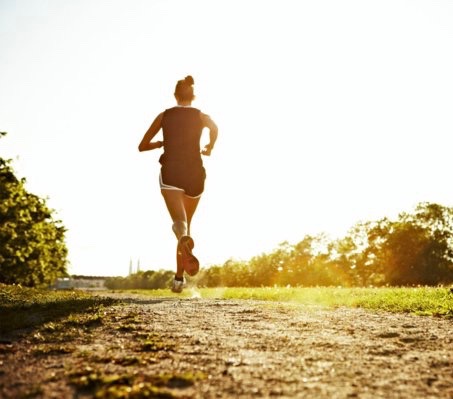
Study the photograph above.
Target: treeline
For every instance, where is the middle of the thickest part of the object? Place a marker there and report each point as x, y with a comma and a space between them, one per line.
141, 280
414, 249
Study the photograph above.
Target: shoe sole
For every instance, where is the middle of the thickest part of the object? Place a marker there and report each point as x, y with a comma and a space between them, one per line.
190, 263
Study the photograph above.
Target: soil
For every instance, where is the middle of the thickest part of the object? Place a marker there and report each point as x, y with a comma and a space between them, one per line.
206, 348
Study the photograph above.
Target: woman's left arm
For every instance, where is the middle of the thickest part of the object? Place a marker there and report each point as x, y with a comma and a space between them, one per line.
146, 144
213, 133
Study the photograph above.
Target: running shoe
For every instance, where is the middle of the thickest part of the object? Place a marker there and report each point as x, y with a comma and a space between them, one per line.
177, 286
190, 263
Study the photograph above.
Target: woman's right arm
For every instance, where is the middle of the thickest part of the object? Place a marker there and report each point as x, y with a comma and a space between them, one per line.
146, 144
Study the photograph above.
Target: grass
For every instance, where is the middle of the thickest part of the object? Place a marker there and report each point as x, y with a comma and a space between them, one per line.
26, 307
432, 301
107, 386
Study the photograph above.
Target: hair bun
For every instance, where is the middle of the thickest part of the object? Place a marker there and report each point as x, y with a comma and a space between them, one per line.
189, 80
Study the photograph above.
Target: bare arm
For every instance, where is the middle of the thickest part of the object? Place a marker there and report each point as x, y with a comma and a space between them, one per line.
146, 144
213, 133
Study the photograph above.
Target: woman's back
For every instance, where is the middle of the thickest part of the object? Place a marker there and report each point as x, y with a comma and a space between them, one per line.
182, 128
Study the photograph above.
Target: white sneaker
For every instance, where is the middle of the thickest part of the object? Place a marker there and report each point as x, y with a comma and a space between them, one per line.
177, 286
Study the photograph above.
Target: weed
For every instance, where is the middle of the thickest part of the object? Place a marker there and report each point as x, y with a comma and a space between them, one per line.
116, 386
127, 361
87, 320
155, 343
127, 327
122, 361
42, 350
184, 380
137, 391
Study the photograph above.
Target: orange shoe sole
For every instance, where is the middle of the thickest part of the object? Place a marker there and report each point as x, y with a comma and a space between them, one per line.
190, 263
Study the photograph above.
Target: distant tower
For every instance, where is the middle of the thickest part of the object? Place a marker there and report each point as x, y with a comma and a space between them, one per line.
138, 265
130, 266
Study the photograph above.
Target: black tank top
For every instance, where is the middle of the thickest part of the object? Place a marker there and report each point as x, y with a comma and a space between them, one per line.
182, 129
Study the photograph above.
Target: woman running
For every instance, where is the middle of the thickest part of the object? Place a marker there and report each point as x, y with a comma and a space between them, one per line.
182, 173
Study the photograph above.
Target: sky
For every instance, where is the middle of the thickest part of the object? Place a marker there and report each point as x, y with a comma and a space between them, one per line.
329, 113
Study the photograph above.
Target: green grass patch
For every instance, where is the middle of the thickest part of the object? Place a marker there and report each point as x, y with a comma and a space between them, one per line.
22, 307
155, 343
433, 301
44, 350
133, 386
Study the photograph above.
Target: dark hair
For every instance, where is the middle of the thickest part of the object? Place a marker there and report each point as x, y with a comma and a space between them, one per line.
184, 89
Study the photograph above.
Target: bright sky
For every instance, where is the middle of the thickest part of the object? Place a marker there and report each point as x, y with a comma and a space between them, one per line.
329, 112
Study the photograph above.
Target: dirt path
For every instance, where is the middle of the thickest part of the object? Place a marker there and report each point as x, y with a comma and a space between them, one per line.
197, 348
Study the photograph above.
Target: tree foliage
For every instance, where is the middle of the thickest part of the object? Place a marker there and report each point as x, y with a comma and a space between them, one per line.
414, 249
32, 247
149, 279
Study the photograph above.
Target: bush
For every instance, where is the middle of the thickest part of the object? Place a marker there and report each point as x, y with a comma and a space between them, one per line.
33, 251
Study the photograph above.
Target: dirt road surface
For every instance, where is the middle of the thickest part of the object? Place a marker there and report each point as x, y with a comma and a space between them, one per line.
205, 348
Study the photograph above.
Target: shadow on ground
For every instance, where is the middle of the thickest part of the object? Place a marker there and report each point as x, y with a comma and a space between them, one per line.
23, 316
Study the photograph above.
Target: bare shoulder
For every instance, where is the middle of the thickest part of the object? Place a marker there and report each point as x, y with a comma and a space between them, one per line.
157, 123
206, 120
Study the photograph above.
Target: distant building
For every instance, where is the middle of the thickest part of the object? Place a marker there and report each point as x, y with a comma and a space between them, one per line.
63, 284
81, 283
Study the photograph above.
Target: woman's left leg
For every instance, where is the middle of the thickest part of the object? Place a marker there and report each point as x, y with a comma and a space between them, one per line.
182, 208
174, 199
190, 206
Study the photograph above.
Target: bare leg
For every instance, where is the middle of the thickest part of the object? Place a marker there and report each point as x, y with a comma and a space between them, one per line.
191, 264
181, 209
190, 205
174, 199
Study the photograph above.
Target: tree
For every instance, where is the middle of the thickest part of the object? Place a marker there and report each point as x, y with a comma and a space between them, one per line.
268, 269
149, 280
415, 249
32, 247
354, 255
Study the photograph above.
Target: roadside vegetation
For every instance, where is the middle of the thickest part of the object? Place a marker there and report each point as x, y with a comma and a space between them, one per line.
428, 301
22, 307
415, 249
33, 251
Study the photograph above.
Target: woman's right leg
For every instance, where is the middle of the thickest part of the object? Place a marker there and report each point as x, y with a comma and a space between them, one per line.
191, 263
174, 199
181, 209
